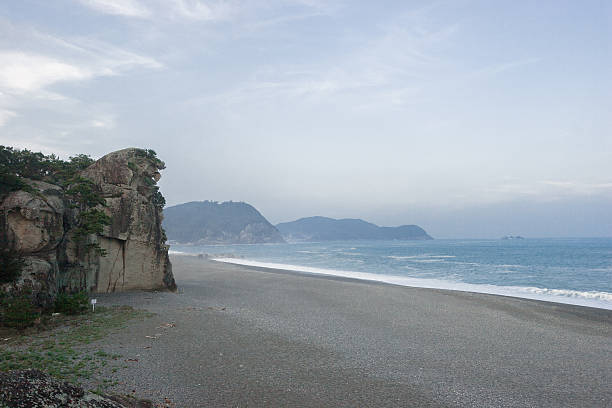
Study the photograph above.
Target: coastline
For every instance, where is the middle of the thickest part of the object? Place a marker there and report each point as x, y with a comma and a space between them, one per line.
237, 336
600, 300
570, 271
414, 283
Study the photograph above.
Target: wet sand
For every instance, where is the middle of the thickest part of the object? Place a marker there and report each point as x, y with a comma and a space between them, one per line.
240, 336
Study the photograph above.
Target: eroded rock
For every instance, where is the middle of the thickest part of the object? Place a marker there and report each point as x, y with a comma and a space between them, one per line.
40, 225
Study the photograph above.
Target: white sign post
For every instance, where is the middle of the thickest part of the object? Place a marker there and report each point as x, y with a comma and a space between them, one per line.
93, 305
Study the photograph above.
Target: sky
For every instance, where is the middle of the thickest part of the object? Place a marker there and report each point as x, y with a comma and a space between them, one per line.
472, 119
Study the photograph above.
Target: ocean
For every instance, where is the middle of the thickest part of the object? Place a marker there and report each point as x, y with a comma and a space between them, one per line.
574, 271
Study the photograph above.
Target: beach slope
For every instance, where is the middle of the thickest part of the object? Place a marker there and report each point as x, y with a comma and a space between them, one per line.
238, 336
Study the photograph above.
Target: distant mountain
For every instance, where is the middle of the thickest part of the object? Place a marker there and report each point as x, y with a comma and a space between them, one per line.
209, 222
329, 229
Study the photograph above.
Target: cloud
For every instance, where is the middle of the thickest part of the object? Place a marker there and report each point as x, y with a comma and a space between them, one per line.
504, 66
21, 72
385, 70
547, 190
578, 188
32, 61
127, 8
196, 10
5, 116
199, 10
34, 65
103, 122
213, 10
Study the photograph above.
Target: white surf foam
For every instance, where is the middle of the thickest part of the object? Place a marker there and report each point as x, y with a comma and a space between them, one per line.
424, 256
171, 252
602, 300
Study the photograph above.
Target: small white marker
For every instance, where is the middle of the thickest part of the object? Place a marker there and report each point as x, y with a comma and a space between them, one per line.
93, 304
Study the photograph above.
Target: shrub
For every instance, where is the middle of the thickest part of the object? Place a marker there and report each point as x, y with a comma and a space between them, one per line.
158, 199
11, 264
72, 304
17, 310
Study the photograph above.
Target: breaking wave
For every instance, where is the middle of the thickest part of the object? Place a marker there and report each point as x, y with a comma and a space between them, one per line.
598, 299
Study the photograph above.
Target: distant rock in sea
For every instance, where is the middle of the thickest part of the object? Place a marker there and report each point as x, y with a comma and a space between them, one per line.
512, 237
210, 222
329, 229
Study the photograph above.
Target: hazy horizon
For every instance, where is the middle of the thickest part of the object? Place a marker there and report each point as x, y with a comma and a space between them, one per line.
471, 119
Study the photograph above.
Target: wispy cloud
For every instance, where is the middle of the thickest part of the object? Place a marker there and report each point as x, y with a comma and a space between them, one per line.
199, 10
577, 187
386, 70
30, 74
5, 116
127, 8
103, 122
212, 10
499, 68
26, 72
196, 10
547, 190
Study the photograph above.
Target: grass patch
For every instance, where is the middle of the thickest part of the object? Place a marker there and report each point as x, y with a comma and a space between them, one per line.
60, 352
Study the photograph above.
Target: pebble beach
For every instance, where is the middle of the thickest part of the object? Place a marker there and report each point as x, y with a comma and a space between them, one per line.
241, 336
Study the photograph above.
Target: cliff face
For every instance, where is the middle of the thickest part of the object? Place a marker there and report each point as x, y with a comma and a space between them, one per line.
137, 254
41, 225
34, 224
208, 222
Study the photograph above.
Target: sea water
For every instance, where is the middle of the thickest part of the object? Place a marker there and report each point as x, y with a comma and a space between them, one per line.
574, 271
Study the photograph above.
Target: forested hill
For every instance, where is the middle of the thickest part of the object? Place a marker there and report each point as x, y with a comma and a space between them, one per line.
329, 229
210, 222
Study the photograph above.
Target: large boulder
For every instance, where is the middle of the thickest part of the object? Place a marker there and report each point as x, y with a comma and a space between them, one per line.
137, 254
33, 225
40, 224
34, 220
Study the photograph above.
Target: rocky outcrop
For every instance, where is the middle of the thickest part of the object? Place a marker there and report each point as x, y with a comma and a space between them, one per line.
40, 224
34, 224
33, 388
135, 243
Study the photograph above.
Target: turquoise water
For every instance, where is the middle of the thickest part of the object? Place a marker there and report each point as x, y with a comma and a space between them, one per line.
577, 271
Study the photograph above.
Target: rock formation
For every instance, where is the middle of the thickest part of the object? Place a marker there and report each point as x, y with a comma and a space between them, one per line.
40, 224
137, 256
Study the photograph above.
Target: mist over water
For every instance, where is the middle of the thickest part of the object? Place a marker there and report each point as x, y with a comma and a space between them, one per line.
577, 271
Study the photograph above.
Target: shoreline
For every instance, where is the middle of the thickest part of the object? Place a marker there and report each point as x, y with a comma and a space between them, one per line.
240, 336
449, 291
531, 293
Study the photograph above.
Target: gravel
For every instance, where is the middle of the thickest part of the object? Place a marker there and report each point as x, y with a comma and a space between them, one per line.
238, 336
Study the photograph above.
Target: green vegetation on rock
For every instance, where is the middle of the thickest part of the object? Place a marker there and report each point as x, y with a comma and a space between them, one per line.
18, 166
11, 264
